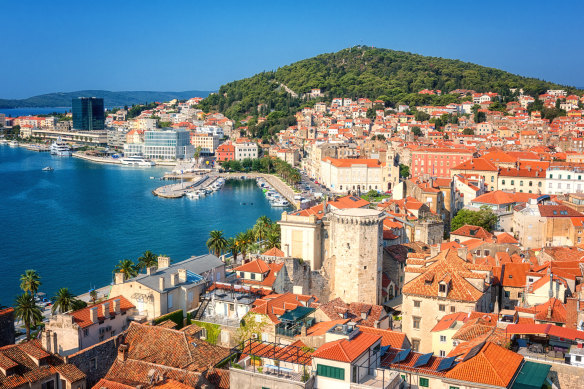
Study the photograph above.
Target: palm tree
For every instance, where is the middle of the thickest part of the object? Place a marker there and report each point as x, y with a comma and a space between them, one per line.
261, 227
30, 281
244, 240
233, 247
127, 267
93, 295
217, 242
27, 311
65, 301
148, 259
272, 240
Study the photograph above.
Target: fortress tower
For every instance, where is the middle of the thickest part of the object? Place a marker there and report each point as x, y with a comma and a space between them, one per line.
355, 256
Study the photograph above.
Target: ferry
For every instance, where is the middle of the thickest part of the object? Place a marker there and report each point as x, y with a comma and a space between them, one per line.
60, 148
136, 160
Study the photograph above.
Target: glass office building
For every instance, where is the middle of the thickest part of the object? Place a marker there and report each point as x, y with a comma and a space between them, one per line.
168, 144
88, 114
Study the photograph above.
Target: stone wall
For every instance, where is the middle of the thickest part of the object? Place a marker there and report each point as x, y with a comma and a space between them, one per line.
243, 379
96, 361
7, 333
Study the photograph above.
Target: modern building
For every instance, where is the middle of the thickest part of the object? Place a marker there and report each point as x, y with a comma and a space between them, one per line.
88, 114
168, 144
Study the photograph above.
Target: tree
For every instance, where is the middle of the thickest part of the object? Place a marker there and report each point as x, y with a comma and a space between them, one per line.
30, 281
468, 131
480, 117
148, 259
404, 171
483, 218
93, 296
416, 131
272, 240
261, 227
27, 311
65, 301
244, 240
197, 153
127, 268
233, 247
216, 242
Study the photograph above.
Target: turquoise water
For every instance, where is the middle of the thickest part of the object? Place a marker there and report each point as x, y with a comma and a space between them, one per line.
75, 223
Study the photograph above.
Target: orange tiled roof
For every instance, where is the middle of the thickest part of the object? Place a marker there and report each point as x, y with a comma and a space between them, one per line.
391, 338
449, 265
82, 316
472, 232
344, 350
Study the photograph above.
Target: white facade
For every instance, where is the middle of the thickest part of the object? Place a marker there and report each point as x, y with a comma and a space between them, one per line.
358, 175
562, 180
245, 150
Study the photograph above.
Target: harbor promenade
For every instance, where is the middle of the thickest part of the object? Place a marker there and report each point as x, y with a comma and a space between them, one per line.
175, 191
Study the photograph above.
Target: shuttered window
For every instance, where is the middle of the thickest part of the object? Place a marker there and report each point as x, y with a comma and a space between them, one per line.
330, 372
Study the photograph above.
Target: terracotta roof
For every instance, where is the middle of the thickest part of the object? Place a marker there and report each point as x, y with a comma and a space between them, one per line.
478, 164
276, 305
82, 316
22, 359
344, 350
493, 365
506, 238
391, 338
274, 252
545, 329
558, 211
103, 383
348, 162
514, 274
473, 232
449, 321
446, 264
256, 266
338, 309
322, 327
494, 335
172, 348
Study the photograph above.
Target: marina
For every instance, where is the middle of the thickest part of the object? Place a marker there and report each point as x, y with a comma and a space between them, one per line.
87, 216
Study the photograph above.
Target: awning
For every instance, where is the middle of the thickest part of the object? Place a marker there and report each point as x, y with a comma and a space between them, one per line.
531, 376
296, 314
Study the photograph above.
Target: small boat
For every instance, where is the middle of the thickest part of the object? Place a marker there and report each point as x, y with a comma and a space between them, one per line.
280, 203
48, 169
136, 160
13, 143
152, 177
192, 195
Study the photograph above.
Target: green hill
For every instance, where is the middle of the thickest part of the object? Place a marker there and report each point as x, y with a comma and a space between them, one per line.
111, 99
393, 76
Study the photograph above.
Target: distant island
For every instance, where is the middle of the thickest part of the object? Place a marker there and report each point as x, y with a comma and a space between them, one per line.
111, 99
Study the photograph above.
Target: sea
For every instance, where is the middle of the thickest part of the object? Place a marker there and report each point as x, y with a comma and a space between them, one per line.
73, 224
16, 112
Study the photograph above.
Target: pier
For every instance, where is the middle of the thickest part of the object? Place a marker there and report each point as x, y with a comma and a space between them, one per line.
175, 191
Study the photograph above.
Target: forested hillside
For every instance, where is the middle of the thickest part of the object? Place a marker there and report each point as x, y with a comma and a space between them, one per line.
392, 76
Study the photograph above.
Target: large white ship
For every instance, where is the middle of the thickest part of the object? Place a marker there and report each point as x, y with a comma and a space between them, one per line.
60, 148
136, 160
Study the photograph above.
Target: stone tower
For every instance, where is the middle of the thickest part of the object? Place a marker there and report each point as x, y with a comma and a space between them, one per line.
356, 255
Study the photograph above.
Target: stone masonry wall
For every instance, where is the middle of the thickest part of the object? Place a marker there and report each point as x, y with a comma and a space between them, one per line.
96, 361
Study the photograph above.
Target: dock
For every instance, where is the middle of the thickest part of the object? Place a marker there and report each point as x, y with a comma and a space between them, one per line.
175, 191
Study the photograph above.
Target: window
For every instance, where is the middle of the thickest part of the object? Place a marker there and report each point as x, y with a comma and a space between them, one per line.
169, 300
330, 372
521, 183
416, 345
512, 182
454, 387
453, 309
416, 322
86, 332
442, 353
424, 382
539, 184
442, 307
253, 276
507, 294
48, 385
503, 182
442, 338
241, 274
442, 288
492, 178
417, 303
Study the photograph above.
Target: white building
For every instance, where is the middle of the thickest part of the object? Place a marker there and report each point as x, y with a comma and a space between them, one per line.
208, 142
343, 175
245, 149
168, 144
564, 179
215, 130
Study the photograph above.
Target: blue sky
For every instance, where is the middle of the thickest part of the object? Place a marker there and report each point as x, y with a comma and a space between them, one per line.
51, 46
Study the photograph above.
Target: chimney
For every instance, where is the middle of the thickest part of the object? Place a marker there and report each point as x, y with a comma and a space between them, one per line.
549, 312
106, 310
182, 275
46, 340
434, 250
303, 330
463, 252
151, 270
119, 278
161, 283
173, 279
93, 314
117, 306
163, 262
122, 352
54, 347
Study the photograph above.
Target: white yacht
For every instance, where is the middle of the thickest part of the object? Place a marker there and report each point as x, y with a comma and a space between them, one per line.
60, 148
136, 160
193, 195
280, 203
